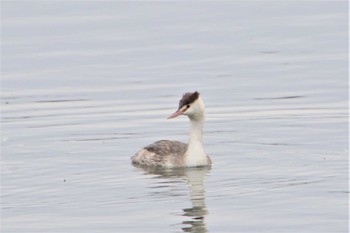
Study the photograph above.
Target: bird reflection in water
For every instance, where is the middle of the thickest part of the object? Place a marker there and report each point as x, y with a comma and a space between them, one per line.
195, 179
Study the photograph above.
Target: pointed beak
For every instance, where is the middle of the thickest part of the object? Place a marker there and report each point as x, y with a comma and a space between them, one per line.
175, 114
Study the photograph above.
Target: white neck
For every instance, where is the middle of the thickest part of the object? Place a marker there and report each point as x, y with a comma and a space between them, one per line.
196, 131
195, 155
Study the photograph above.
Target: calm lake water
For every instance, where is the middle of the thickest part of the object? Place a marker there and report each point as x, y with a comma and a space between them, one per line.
87, 84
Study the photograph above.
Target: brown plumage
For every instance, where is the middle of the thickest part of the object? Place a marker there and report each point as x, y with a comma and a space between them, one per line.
161, 153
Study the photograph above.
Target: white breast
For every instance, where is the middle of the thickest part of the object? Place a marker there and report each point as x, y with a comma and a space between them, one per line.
195, 156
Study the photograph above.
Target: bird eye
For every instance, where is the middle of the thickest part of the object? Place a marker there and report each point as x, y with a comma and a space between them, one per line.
187, 106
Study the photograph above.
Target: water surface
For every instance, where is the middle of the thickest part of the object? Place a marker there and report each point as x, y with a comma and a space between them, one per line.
86, 85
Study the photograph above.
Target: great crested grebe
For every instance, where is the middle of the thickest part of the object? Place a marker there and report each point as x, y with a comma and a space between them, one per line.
167, 153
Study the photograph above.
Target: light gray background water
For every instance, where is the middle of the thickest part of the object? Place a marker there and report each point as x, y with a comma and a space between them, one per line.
87, 84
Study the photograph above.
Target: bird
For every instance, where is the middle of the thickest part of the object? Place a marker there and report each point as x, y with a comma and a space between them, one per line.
175, 154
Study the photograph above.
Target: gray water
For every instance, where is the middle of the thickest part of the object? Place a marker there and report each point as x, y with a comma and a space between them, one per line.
85, 85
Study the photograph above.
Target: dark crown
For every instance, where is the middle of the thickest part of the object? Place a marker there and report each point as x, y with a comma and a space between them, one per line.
188, 98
